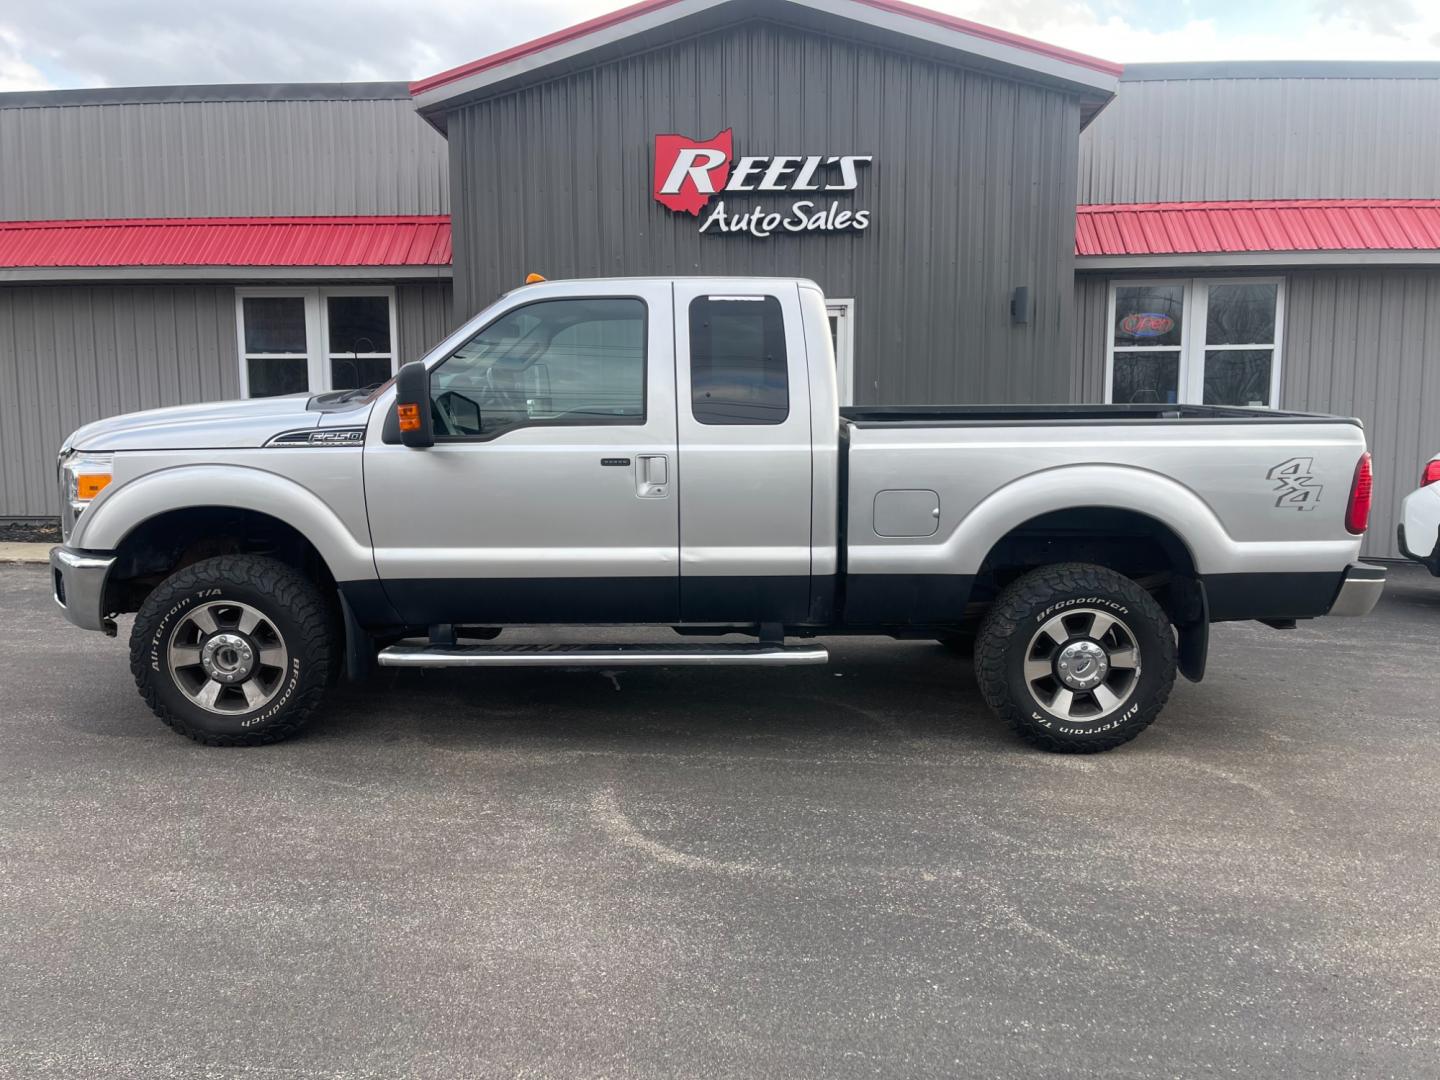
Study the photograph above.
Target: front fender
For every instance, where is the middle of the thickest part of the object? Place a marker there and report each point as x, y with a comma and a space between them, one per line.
123, 507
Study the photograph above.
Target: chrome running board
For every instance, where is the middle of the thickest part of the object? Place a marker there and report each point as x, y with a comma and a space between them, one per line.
601, 656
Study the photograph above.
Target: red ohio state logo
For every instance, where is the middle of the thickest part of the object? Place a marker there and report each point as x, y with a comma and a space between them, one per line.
688, 172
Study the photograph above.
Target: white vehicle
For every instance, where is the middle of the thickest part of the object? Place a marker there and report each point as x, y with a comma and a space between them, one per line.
669, 452
1420, 520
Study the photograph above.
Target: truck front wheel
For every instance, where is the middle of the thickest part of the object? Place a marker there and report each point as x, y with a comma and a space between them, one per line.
233, 651
1076, 658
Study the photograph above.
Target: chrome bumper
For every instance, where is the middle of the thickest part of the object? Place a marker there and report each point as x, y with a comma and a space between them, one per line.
1360, 591
77, 581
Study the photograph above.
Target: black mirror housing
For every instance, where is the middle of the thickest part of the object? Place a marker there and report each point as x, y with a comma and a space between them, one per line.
412, 405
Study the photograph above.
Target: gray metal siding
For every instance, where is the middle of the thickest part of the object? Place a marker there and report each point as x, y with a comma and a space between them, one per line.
1362, 343
1263, 138
972, 193
1087, 370
72, 354
220, 158
75, 353
425, 314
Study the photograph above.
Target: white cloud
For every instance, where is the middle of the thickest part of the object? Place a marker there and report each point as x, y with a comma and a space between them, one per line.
16, 73
1335, 30
140, 42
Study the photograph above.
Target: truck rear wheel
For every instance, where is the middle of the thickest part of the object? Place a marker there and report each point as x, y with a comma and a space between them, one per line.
1076, 658
233, 651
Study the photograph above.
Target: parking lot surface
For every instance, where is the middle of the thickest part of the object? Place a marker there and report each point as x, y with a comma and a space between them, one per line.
843, 872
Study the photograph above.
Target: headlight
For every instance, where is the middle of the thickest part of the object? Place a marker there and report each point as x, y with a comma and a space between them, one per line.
83, 475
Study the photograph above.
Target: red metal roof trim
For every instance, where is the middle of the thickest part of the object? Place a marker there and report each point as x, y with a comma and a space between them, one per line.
899, 7
290, 241
1250, 226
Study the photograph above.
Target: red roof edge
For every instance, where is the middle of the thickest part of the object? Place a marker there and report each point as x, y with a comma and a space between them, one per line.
373, 242
1257, 225
1256, 204
340, 219
644, 7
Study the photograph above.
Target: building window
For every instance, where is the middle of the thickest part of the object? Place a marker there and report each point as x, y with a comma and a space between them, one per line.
295, 341
554, 363
737, 360
1197, 341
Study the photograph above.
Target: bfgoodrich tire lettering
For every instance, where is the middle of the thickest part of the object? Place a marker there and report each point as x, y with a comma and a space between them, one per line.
1047, 617
297, 636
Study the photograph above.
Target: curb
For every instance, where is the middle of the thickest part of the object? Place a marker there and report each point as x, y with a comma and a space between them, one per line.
25, 553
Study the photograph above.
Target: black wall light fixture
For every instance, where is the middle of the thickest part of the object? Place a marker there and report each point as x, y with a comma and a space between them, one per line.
1020, 305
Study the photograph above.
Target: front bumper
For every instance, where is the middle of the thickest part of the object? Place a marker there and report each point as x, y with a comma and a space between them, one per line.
1360, 591
77, 581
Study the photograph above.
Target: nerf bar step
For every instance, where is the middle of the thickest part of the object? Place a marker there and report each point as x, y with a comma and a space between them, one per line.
601, 656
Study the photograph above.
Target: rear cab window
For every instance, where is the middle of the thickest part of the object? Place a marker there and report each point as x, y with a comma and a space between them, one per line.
738, 364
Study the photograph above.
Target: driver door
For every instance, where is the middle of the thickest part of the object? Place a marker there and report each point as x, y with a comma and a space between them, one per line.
550, 494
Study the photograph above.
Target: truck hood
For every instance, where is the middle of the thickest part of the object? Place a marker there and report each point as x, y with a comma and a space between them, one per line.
214, 425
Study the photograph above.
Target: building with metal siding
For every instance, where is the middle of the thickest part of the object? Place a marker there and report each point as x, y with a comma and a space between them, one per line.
573, 198
73, 353
1265, 130
1203, 177
115, 317
556, 177
218, 151
1197, 186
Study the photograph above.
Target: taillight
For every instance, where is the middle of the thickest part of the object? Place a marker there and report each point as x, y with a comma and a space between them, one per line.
1357, 513
1431, 474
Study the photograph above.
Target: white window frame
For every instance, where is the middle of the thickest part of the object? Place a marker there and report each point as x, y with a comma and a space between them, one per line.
1195, 310
843, 310
317, 331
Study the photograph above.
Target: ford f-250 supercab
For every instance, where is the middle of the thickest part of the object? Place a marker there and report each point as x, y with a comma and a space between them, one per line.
669, 452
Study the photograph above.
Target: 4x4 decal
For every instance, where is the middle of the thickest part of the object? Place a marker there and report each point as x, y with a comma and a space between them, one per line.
1295, 485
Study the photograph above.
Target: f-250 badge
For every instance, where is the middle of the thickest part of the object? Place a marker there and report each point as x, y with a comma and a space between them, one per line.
1295, 484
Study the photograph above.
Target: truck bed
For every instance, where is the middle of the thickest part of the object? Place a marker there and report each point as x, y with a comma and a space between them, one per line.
1251, 501
1151, 413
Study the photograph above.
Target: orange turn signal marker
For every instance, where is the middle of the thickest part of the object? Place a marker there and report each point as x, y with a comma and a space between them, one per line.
88, 485
409, 417
531, 279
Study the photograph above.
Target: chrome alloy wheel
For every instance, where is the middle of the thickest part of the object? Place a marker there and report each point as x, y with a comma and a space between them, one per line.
1082, 665
227, 657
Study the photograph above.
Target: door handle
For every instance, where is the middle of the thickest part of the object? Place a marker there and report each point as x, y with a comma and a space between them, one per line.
652, 476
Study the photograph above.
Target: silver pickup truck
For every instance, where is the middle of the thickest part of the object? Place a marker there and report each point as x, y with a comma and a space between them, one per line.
669, 452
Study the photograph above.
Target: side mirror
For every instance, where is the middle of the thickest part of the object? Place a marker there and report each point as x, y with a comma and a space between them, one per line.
412, 405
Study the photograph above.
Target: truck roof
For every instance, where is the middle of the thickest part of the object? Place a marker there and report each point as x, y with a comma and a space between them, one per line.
755, 280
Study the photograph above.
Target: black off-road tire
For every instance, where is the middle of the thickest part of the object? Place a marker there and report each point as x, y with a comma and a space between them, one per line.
1028, 603
298, 610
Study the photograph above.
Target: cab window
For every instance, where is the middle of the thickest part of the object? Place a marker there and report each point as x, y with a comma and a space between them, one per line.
555, 362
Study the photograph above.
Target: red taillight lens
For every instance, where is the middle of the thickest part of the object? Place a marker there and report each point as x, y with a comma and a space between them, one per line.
1431, 474
1357, 514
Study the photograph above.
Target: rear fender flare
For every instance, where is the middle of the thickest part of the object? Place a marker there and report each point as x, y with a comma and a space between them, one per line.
1111, 487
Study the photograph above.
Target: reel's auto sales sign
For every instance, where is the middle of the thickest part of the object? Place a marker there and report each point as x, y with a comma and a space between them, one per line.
689, 173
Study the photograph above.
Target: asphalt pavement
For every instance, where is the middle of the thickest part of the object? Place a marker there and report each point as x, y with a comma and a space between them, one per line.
845, 871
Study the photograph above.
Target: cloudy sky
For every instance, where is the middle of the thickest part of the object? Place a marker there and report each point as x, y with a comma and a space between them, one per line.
67, 43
